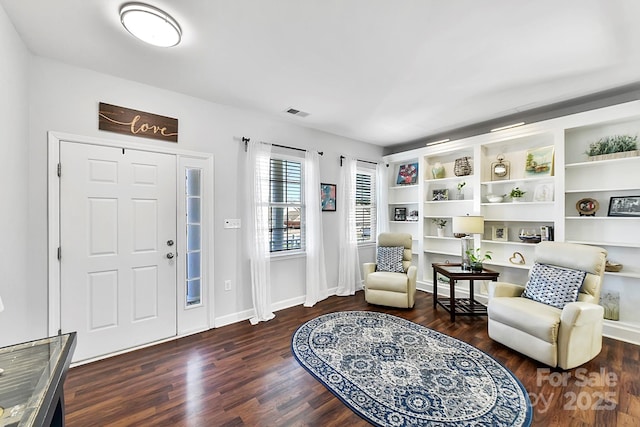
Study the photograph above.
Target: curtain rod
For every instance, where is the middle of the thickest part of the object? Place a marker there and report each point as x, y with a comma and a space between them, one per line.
246, 141
363, 161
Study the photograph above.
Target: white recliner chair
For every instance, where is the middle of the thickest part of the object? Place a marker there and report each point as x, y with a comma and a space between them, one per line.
394, 289
563, 337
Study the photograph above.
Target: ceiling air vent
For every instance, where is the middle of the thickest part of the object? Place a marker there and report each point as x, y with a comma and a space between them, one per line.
296, 112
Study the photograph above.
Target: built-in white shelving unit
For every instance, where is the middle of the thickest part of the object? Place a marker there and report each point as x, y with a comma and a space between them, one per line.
552, 192
404, 197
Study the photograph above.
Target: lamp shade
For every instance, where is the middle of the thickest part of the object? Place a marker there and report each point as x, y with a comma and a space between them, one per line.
468, 224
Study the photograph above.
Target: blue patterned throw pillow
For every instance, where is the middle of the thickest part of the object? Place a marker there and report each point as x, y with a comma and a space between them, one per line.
554, 286
390, 259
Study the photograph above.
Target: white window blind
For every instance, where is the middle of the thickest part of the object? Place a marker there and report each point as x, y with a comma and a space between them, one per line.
366, 206
286, 208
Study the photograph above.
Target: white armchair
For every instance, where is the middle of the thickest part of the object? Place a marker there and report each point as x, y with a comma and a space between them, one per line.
395, 289
566, 337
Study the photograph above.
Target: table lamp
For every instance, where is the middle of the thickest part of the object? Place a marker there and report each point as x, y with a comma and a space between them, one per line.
465, 226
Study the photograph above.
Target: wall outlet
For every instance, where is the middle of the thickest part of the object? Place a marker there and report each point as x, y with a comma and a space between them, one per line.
227, 285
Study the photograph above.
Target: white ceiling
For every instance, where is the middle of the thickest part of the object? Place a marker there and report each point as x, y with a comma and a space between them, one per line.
381, 71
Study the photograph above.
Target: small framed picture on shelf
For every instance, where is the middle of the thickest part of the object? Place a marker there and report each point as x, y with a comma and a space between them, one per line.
499, 233
543, 193
539, 162
626, 206
413, 215
587, 206
400, 214
440, 194
407, 174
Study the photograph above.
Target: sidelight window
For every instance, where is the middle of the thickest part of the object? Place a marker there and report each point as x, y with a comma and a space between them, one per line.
194, 235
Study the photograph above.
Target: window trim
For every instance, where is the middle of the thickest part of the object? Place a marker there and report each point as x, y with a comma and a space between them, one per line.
363, 170
295, 252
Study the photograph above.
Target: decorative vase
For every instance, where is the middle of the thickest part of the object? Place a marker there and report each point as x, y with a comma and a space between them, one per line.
437, 170
440, 232
476, 267
460, 194
517, 199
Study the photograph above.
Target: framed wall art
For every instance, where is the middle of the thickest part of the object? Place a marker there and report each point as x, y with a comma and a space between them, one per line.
628, 206
328, 197
539, 162
407, 174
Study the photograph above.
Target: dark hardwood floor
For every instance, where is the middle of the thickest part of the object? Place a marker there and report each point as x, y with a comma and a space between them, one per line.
243, 375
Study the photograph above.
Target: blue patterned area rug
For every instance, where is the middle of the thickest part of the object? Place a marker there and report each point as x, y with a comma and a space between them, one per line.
393, 372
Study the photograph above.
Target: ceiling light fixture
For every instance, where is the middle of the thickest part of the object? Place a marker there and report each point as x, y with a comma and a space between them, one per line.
150, 24
440, 141
507, 127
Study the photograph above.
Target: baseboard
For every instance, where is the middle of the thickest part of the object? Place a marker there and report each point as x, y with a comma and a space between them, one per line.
236, 317
622, 331
241, 316
128, 350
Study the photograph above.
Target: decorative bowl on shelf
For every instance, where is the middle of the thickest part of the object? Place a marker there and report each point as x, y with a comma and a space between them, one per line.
612, 266
528, 235
494, 198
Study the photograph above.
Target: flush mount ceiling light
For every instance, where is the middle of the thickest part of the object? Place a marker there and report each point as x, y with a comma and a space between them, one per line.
150, 24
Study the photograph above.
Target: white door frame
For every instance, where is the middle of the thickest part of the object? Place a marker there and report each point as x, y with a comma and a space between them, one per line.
53, 215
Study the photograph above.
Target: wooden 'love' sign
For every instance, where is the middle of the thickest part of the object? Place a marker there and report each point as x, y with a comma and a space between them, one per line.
137, 123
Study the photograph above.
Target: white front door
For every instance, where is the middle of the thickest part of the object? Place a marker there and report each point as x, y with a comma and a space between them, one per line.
118, 240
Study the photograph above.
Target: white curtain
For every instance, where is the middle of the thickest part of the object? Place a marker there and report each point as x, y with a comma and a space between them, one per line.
349, 278
257, 167
317, 288
382, 178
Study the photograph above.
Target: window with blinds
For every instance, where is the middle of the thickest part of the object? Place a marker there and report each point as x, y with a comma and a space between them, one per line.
286, 209
365, 206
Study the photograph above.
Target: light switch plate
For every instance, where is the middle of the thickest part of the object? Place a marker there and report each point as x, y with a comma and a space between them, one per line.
232, 223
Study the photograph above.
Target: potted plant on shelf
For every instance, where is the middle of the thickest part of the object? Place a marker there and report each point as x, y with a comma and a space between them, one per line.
440, 224
612, 147
476, 258
517, 194
460, 190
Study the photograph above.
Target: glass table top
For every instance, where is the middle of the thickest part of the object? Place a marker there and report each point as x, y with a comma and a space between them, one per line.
30, 370
456, 269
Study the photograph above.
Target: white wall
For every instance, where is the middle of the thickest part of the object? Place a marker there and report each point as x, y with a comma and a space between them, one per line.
15, 259
64, 98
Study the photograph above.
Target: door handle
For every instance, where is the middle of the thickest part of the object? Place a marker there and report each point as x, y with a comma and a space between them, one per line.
170, 255
169, 242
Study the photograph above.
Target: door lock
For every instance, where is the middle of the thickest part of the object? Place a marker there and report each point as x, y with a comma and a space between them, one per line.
170, 255
169, 242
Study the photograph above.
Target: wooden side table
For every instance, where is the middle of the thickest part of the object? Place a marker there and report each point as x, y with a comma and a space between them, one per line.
460, 306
